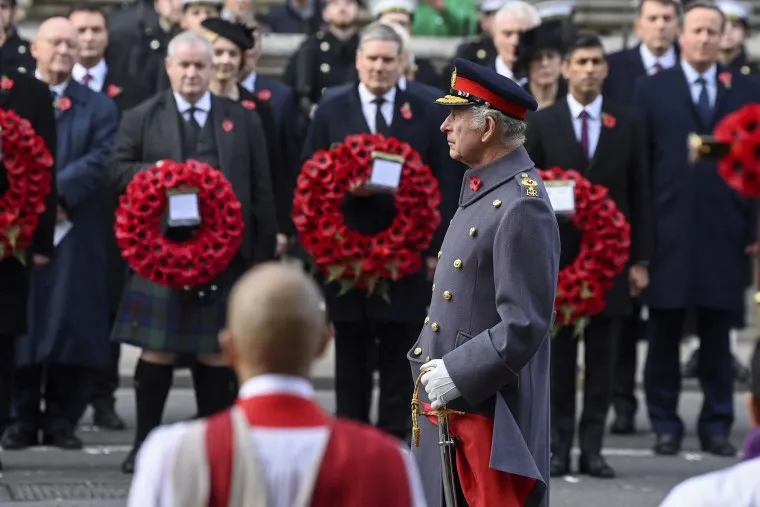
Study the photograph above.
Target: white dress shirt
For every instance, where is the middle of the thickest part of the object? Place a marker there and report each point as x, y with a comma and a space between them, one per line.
649, 60
369, 108
286, 454
594, 121
502, 68
711, 82
249, 82
98, 74
58, 89
201, 113
402, 82
736, 486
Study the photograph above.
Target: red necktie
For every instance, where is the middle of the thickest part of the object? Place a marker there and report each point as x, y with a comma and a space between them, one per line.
86, 79
584, 133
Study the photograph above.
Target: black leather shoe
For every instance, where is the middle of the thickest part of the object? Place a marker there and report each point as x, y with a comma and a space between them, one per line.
667, 445
63, 440
559, 466
107, 418
623, 425
719, 446
15, 439
595, 466
128, 465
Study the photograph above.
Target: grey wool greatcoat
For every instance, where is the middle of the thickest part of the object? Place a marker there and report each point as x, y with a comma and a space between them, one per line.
490, 319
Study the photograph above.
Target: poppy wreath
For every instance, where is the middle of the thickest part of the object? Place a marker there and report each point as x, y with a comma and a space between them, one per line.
346, 256
740, 167
215, 241
604, 251
27, 163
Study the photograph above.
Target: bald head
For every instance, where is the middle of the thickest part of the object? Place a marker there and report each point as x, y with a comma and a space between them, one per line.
54, 48
276, 318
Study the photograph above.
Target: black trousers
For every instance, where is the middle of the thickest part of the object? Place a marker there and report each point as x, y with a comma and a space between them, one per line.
354, 344
7, 367
624, 398
65, 389
599, 339
662, 374
106, 382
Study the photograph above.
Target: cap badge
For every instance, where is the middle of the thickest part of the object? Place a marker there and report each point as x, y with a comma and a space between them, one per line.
454, 77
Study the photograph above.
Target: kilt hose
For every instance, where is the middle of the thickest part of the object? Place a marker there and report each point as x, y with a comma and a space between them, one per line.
163, 319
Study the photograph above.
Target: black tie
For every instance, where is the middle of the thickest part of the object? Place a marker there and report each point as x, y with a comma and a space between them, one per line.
193, 127
703, 102
381, 126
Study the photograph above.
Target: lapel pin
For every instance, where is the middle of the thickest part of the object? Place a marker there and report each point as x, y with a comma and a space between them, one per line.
227, 126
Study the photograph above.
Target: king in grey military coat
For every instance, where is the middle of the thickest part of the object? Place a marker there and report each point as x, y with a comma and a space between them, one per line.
491, 316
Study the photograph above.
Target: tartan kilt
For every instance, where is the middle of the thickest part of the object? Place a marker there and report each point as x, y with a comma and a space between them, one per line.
163, 319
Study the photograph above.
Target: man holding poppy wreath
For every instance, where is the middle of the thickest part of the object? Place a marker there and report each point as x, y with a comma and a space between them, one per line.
188, 122
483, 353
369, 325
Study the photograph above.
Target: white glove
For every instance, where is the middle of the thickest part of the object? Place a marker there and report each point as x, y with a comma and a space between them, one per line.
438, 384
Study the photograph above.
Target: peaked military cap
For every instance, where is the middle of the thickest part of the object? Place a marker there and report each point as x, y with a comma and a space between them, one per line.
380, 7
735, 11
555, 9
473, 84
215, 28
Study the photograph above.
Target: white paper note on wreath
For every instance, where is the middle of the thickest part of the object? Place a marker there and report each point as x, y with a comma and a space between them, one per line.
183, 209
562, 196
386, 171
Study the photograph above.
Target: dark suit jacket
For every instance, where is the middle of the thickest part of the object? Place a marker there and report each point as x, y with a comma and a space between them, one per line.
626, 67
150, 132
30, 99
619, 163
341, 116
702, 226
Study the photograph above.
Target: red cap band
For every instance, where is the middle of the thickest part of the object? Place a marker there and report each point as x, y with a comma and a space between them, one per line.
483, 93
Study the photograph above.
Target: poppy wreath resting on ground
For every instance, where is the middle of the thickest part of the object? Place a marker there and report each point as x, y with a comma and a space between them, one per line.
604, 251
346, 256
215, 240
740, 167
27, 163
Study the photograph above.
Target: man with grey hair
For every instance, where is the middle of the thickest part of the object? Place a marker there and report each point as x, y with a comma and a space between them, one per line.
188, 122
509, 22
483, 353
364, 321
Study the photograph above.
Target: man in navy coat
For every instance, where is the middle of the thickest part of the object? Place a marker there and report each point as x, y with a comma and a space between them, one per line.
657, 27
67, 335
703, 233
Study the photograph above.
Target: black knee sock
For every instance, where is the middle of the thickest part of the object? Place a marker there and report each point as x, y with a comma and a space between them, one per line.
215, 388
152, 384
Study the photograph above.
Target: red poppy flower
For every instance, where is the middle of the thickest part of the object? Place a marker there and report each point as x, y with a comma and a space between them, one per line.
725, 78
475, 183
264, 94
113, 90
248, 104
406, 111
227, 125
608, 120
63, 104
6, 83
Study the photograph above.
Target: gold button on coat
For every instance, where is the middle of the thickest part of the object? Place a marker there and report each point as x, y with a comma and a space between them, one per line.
325, 46
496, 203
417, 351
458, 263
440, 253
435, 327
447, 295
473, 232
433, 286
324, 68
427, 319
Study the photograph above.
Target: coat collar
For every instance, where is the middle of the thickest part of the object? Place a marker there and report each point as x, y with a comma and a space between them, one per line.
494, 175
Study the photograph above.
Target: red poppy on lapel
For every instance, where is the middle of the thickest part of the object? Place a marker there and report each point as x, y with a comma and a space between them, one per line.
6, 83
248, 104
725, 78
264, 94
475, 183
227, 126
406, 111
63, 104
113, 90
608, 120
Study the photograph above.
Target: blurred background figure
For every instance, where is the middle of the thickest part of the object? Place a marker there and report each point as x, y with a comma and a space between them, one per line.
733, 54
540, 61
509, 23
